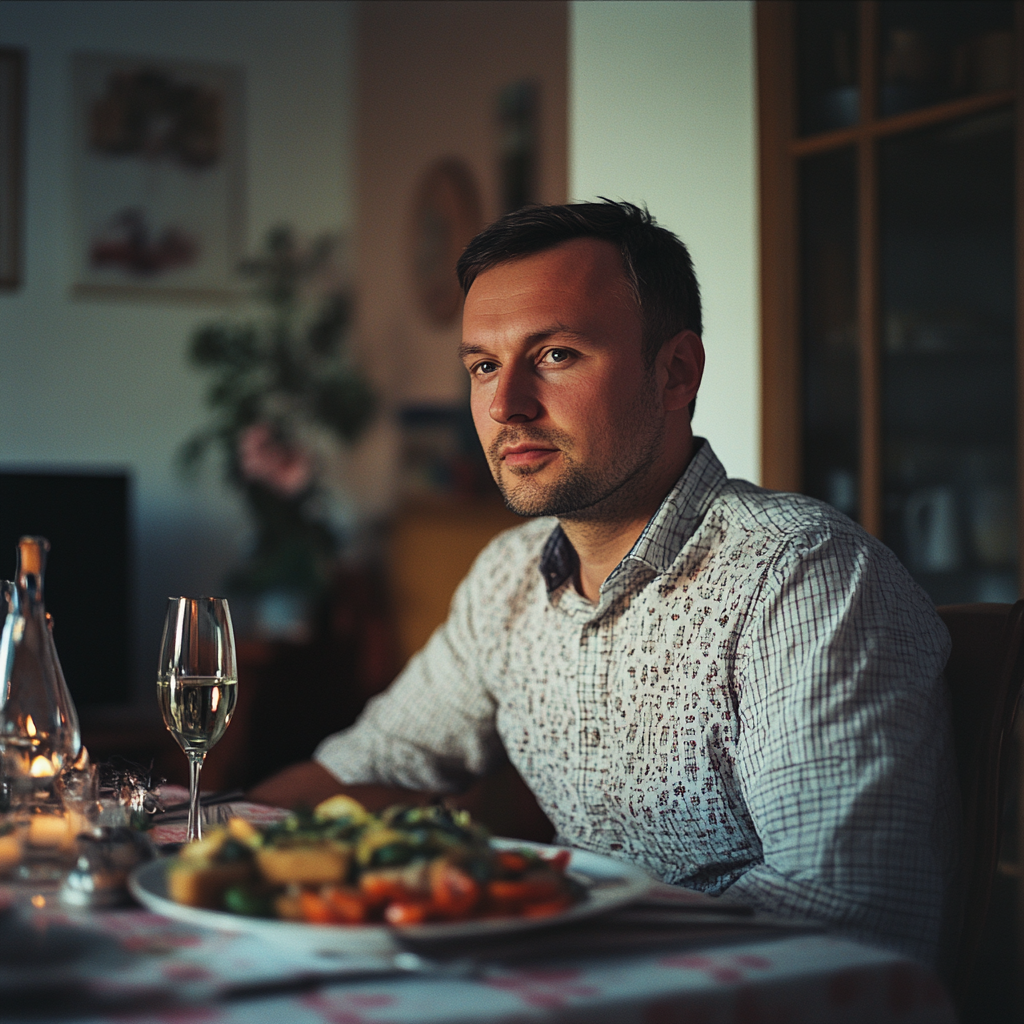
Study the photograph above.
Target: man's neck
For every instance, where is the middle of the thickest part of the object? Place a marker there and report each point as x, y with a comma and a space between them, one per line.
601, 540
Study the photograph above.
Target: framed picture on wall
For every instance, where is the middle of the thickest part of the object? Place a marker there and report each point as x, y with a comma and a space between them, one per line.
158, 177
12, 135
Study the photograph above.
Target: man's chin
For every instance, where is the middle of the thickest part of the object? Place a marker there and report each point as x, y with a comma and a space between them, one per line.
532, 500
524, 497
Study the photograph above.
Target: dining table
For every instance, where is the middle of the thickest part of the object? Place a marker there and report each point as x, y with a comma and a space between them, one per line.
670, 955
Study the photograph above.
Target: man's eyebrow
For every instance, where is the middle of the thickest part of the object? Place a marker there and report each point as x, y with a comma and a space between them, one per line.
467, 349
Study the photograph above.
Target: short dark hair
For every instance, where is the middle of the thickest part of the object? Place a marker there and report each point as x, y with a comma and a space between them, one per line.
657, 265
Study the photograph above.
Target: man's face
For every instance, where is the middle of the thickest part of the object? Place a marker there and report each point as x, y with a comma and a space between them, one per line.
565, 408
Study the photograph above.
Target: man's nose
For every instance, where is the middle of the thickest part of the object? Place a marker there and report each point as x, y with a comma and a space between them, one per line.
515, 396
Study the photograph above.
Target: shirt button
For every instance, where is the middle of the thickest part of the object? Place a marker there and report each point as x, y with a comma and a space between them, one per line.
595, 737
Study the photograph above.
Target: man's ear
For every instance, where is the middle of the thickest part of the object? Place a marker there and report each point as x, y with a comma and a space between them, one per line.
681, 365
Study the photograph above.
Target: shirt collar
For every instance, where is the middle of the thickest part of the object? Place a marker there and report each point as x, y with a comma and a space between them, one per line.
663, 537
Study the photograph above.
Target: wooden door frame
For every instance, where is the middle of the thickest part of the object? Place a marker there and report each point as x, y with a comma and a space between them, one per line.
781, 383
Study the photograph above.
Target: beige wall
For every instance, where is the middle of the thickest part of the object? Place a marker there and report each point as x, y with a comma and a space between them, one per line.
663, 111
102, 382
428, 76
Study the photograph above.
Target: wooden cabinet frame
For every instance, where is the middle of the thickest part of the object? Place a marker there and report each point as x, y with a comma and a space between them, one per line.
780, 150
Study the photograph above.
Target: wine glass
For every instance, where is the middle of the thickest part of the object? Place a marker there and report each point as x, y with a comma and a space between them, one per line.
197, 683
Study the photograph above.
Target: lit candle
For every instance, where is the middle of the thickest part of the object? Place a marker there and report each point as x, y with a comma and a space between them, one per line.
10, 852
42, 767
48, 830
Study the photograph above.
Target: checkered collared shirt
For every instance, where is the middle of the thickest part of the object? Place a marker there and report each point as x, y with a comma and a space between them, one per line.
754, 706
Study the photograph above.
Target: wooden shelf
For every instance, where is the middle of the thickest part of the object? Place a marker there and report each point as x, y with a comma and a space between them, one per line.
897, 124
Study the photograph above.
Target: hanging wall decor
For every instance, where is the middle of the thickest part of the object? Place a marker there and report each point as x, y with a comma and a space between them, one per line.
158, 176
446, 215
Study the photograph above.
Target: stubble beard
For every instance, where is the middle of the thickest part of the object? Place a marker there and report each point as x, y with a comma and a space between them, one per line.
582, 493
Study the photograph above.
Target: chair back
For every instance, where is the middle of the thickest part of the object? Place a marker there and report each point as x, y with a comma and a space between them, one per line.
984, 676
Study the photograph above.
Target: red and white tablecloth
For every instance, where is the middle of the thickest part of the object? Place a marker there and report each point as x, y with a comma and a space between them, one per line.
146, 969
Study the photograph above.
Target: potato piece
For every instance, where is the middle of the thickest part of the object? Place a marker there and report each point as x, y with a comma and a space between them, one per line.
203, 885
244, 831
206, 848
303, 865
337, 807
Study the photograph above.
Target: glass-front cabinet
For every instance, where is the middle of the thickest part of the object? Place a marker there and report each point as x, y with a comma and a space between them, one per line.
892, 292
890, 241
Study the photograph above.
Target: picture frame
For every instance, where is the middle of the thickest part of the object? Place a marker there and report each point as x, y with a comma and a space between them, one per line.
158, 177
12, 158
446, 214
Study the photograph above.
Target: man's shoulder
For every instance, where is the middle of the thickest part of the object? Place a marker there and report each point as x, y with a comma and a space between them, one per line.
797, 538
780, 518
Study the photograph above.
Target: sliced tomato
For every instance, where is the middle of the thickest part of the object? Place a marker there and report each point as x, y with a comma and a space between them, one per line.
559, 862
347, 904
406, 913
379, 888
453, 893
524, 890
548, 908
314, 908
512, 862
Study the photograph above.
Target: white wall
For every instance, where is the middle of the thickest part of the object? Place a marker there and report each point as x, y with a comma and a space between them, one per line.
662, 111
103, 383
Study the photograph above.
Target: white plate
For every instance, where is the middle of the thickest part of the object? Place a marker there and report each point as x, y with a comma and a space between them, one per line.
610, 884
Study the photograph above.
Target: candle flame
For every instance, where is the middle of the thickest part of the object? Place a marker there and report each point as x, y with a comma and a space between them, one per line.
42, 767
30, 726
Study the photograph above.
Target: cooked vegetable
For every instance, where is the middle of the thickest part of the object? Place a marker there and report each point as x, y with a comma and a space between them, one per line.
341, 865
304, 865
201, 884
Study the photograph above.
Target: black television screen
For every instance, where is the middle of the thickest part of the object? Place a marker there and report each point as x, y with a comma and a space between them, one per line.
85, 518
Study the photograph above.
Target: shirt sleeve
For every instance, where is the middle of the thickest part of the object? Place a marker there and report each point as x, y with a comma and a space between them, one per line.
434, 727
845, 752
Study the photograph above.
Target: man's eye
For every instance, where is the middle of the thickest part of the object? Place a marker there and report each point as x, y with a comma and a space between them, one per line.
481, 369
558, 355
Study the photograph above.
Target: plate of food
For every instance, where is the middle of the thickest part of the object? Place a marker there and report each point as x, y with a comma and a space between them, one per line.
340, 880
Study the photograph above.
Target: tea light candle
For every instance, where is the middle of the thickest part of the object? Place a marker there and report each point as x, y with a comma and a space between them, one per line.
48, 830
10, 852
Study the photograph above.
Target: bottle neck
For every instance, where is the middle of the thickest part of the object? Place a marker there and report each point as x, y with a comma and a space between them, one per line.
31, 566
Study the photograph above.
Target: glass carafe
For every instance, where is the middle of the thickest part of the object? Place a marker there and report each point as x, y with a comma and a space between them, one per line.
39, 732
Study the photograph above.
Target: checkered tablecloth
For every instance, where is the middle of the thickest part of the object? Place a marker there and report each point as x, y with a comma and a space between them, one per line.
133, 967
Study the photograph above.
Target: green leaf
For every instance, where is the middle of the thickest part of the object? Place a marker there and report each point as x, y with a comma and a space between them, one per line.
346, 403
327, 329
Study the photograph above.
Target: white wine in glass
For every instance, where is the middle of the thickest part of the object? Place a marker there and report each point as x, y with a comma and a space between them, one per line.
197, 683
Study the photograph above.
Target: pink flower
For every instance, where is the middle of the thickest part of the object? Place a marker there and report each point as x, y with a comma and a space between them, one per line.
283, 467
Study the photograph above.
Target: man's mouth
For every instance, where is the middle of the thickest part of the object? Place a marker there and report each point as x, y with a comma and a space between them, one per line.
527, 455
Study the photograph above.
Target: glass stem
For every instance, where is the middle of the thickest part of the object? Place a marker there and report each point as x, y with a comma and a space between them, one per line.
195, 818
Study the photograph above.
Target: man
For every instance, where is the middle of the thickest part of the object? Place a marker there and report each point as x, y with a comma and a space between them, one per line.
738, 689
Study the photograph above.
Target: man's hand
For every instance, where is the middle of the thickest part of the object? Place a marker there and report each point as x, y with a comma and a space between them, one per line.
308, 783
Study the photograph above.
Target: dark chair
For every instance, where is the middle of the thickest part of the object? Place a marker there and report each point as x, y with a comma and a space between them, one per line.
984, 675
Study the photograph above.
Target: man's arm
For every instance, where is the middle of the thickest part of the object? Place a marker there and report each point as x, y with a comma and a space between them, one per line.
309, 783
501, 801
844, 754
431, 733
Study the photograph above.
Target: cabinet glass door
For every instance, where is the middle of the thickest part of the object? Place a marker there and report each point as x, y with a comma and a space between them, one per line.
948, 364
830, 364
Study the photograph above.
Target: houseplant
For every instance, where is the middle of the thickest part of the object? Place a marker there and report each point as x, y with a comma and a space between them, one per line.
286, 398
